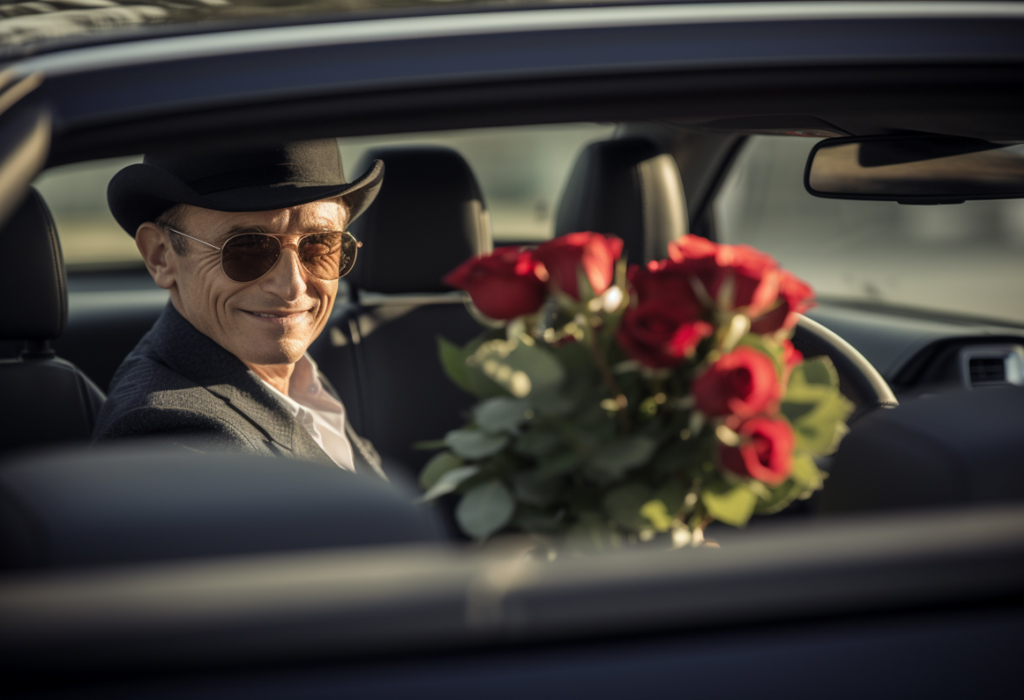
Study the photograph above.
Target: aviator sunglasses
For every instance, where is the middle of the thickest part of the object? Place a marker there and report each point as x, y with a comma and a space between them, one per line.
245, 257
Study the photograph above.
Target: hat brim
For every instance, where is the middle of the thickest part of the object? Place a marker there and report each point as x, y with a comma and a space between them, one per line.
142, 192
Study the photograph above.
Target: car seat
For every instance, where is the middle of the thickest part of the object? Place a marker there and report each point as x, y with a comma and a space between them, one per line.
43, 398
380, 350
630, 188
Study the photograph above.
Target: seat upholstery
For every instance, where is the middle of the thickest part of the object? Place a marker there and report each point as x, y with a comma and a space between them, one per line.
380, 350
43, 399
626, 187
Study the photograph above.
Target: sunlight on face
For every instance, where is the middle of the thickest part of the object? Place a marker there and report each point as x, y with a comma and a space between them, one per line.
272, 320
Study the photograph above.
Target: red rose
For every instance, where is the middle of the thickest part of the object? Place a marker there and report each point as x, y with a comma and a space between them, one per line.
503, 285
594, 253
765, 451
755, 275
795, 297
742, 383
659, 333
790, 355
667, 281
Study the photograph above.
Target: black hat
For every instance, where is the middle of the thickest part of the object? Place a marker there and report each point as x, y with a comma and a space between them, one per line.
264, 179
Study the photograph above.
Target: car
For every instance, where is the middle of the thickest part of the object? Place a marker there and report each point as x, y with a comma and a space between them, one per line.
143, 570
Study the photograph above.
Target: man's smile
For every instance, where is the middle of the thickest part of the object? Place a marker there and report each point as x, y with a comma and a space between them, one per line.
279, 316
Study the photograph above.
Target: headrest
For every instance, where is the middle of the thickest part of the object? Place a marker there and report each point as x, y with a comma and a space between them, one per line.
629, 188
32, 281
428, 218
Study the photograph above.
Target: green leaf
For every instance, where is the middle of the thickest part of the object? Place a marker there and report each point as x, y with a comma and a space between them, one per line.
683, 456
436, 467
805, 472
522, 370
820, 430
485, 509
449, 481
623, 505
591, 533
558, 464
815, 407
453, 359
779, 498
537, 442
473, 444
733, 505
533, 491
613, 460
534, 520
657, 514
501, 414
673, 495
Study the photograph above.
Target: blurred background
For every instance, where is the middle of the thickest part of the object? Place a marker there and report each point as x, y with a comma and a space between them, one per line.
966, 258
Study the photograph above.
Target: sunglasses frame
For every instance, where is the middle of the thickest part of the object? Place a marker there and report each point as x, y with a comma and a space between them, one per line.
344, 236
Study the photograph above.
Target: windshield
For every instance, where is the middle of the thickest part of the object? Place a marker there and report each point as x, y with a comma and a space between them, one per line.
521, 170
964, 258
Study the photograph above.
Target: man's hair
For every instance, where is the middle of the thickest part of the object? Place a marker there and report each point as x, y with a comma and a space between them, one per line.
174, 218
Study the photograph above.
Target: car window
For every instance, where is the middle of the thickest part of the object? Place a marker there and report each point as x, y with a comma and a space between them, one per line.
521, 170
963, 258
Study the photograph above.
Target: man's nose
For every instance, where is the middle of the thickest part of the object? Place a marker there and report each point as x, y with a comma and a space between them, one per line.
288, 278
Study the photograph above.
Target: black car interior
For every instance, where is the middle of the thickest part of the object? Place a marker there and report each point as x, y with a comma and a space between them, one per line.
44, 399
380, 346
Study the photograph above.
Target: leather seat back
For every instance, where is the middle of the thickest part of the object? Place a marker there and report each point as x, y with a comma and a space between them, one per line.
629, 188
380, 350
43, 399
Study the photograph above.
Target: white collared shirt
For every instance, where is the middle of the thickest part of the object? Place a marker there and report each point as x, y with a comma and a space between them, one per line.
316, 410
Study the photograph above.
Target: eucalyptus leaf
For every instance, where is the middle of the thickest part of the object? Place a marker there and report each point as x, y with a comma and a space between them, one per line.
501, 414
535, 520
623, 505
537, 442
731, 504
474, 444
559, 463
453, 360
533, 491
436, 467
613, 460
485, 509
520, 369
449, 481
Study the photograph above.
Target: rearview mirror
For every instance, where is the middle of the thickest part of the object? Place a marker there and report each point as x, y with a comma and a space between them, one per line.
915, 169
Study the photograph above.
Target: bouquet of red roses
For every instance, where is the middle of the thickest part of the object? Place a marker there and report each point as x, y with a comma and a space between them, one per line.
617, 404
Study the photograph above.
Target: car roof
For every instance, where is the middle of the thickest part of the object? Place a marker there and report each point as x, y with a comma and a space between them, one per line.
819, 67
52, 26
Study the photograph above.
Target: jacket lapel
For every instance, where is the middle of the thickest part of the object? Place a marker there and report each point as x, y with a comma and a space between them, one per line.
195, 356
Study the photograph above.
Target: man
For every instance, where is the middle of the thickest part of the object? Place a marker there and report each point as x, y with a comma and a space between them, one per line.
250, 246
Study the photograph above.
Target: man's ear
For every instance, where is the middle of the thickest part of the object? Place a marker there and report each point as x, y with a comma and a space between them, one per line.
155, 245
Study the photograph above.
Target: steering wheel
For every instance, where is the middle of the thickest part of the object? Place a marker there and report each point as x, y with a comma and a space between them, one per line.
858, 379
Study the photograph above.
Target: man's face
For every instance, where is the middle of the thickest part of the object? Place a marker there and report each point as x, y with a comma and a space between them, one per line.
269, 321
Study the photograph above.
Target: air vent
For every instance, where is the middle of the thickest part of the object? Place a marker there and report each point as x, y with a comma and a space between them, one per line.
989, 365
987, 370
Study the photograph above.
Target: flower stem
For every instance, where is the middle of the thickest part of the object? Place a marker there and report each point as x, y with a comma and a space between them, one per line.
608, 377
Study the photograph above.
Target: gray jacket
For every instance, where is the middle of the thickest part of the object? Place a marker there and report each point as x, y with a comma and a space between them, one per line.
181, 386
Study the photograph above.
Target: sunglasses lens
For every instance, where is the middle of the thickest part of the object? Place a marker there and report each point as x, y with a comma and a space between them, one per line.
250, 256
328, 256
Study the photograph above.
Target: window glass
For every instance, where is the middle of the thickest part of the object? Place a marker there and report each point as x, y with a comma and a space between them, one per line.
522, 172
963, 258
77, 195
